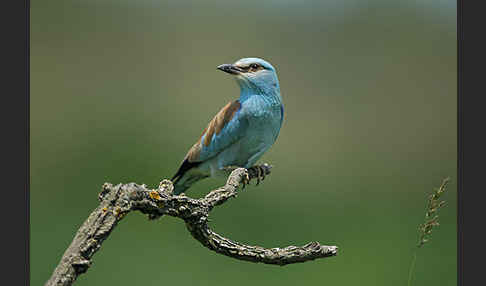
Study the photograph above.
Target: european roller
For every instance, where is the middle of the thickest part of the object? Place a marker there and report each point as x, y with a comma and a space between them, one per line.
242, 131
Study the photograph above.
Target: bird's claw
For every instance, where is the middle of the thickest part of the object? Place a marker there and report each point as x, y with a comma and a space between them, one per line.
259, 173
245, 180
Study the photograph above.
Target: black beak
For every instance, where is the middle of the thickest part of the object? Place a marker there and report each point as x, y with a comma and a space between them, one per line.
231, 69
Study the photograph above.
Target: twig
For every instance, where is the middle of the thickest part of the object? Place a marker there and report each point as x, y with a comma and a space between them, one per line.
425, 229
117, 201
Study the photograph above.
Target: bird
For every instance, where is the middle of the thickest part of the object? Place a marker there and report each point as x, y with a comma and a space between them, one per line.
242, 131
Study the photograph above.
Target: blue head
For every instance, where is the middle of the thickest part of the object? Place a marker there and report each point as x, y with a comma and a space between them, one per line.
254, 76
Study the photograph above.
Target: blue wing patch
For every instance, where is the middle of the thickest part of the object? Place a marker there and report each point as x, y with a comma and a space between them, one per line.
229, 134
224, 129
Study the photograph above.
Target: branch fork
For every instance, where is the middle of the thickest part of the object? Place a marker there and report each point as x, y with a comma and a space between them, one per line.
117, 201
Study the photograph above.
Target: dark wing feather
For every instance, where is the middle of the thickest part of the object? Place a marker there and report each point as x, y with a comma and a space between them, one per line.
185, 166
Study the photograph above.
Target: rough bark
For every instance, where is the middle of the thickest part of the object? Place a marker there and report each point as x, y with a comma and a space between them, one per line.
117, 201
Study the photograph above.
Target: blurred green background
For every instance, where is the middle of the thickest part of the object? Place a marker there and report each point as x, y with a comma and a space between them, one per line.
120, 89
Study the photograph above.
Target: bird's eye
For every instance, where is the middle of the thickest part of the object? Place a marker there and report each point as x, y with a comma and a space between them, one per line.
254, 66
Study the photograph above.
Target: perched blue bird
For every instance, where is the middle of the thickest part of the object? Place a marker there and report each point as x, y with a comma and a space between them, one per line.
241, 131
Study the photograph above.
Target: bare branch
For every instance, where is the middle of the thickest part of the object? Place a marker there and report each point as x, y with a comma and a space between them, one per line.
117, 201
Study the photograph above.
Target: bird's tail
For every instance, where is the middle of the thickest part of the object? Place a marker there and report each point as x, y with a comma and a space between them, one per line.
178, 189
184, 182
187, 175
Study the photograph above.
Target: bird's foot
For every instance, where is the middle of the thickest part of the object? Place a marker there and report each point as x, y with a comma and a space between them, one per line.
259, 172
246, 178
